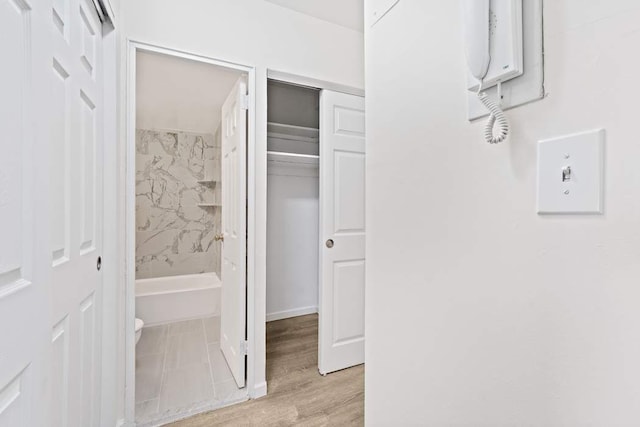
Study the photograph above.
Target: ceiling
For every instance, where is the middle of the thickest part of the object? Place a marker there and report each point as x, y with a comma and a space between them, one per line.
180, 94
347, 13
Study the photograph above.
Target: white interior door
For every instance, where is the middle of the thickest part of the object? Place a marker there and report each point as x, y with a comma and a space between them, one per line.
50, 213
25, 261
342, 230
76, 214
234, 227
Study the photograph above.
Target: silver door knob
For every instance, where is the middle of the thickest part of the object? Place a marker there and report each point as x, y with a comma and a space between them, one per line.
329, 243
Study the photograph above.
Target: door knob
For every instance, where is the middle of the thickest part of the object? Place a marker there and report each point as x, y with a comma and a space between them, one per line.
219, 238
329, 243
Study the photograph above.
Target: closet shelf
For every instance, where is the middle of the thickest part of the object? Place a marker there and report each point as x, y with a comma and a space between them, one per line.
298, 133
301, 159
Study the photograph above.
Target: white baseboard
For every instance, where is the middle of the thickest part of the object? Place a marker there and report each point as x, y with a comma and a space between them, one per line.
278, 315
259, 390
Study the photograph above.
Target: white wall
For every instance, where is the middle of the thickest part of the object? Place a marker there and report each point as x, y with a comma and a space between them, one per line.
348, 13
292, 243
251, 32
180, 94
259, 34
479, 311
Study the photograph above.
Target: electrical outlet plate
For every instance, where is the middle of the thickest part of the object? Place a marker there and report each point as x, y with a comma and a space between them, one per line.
529, 86
570, 174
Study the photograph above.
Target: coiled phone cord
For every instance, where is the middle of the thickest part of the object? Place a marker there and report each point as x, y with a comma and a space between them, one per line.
496, 116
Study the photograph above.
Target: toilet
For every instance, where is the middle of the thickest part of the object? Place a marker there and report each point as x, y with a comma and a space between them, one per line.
139, 324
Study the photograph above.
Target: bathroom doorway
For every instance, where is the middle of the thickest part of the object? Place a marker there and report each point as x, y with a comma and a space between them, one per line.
188, 159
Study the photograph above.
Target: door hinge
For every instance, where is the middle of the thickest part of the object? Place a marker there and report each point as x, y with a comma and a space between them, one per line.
244, 102
244, 347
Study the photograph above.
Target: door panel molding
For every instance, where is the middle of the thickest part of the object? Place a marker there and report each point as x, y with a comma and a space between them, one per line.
342, 220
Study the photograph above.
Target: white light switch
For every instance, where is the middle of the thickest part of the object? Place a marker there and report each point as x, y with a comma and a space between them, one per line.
570, 174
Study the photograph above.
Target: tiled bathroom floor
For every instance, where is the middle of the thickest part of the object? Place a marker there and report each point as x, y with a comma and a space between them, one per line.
181, 370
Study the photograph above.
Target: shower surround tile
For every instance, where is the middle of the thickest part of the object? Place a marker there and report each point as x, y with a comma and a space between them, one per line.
174, 235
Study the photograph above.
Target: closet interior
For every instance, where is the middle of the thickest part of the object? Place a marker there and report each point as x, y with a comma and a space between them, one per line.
292, 200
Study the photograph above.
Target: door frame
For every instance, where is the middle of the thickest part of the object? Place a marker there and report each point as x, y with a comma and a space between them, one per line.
254, 385
297, 80
109, 396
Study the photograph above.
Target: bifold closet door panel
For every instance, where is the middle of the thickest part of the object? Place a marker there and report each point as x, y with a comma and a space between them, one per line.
292, 245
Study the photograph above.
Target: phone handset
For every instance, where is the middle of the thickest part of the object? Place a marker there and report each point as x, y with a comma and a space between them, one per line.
476, 21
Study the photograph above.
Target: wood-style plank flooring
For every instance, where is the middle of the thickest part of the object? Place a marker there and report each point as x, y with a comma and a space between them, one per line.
297, 393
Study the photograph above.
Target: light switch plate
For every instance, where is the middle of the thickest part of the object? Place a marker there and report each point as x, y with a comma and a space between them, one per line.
580, 189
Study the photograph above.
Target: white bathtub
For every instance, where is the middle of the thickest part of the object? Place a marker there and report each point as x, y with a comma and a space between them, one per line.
170, 299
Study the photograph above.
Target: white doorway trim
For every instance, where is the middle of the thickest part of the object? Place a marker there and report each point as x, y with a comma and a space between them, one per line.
110, 398
255, 386
310, 82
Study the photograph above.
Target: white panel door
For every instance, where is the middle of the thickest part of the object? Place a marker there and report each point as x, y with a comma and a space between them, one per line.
342, 230
76, 214
234, 230
24, 258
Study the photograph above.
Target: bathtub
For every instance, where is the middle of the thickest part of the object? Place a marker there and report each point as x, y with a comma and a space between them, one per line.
170, 299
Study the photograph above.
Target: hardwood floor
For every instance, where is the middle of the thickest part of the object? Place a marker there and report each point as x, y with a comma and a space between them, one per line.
298, 394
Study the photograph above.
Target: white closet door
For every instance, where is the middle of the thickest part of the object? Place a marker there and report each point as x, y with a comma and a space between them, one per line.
234, 230
25, 261
50, 213
342, 230
76, 220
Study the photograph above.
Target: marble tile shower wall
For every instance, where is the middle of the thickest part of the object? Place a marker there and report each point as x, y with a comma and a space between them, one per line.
174, 235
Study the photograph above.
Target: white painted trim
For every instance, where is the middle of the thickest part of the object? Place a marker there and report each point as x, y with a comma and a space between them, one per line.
147, 47
256, 387
110, 398
259, 390
279, 315
313, 83
130, 218
255, 327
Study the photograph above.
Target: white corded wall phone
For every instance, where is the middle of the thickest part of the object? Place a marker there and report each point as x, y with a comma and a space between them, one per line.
493, 38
